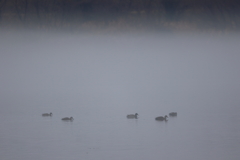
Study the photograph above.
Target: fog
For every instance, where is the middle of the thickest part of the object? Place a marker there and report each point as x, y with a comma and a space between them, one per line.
101, 75
100, 60
121, 70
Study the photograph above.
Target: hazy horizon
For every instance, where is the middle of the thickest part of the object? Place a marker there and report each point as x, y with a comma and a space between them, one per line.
124, 15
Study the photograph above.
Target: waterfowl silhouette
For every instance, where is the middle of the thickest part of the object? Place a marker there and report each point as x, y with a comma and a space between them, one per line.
173, 114
161, 118
67, 119
132, 116
46, 114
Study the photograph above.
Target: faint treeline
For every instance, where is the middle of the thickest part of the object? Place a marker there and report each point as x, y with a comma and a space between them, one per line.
121, 14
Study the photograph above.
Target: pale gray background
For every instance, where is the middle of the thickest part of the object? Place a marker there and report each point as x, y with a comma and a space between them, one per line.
99, 79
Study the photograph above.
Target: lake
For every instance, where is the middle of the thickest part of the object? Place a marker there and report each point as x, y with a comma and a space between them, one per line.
99, 79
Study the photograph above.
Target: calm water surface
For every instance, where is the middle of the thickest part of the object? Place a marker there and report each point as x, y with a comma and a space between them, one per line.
100, 79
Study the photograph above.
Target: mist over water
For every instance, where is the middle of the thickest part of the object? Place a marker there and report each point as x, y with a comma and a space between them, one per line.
99, 79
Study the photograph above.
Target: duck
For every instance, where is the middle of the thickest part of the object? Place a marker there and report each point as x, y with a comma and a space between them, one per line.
161, 118
46, 114
173, 114
67, 119
132, 115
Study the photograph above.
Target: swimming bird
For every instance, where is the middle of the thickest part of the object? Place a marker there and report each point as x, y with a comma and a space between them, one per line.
173, 114
132, 116
161, 118
67, 119
46, 114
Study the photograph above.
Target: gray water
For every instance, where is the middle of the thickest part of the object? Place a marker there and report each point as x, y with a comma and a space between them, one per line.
99, 79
